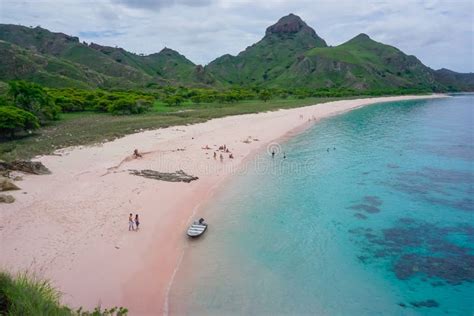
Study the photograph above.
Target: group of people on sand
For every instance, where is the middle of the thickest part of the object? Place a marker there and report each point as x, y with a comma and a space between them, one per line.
133, 224
225, 150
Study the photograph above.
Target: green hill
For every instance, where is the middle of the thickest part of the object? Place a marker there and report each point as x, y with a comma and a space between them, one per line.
109, 66
19, 63
361, 63
264, 61
168, 66
455, 81
69, 48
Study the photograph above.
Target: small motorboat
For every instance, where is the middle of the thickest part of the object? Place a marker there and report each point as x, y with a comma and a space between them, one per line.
197, 228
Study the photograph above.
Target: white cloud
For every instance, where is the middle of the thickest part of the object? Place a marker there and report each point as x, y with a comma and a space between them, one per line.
439, 33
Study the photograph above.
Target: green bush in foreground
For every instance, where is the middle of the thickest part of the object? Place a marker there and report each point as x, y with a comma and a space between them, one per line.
25, 295
13, 119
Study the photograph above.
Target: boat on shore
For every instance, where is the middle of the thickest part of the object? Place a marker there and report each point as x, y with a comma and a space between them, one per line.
197, 228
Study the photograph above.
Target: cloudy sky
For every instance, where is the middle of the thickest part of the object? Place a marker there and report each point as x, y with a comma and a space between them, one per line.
439, 32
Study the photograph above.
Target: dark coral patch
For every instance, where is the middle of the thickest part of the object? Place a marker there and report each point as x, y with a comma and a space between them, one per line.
427, 303
423, 250
360, 216
372, 200
365, 207
437, 186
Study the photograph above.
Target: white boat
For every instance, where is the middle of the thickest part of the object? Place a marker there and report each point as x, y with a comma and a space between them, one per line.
197, 228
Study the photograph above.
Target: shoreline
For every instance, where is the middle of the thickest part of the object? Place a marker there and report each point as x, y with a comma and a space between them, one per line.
71, 226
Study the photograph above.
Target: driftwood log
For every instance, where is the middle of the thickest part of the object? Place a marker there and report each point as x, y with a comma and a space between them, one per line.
178, 176
34, 167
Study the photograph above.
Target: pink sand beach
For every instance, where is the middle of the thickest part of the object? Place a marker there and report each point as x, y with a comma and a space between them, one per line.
72, 226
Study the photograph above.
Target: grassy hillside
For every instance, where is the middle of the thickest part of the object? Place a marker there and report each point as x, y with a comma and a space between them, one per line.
19, 63
68, 49
360, 63
455, 81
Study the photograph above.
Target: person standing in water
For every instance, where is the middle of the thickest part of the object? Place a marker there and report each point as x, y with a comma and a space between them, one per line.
273, 154
137, 222
130, 222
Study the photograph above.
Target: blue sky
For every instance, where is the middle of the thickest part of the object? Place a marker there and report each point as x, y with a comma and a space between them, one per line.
439, 32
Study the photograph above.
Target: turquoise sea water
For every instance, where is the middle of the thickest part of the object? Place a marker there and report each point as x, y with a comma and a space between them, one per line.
371, 213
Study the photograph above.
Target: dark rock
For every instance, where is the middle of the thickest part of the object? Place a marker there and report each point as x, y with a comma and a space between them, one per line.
5, 198
178, 176
7, 185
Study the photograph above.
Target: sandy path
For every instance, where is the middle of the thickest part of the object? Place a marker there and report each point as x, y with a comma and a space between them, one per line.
72, 226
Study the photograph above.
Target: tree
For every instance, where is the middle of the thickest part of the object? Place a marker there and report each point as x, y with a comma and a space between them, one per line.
264, 95
33, 98
173, 100
13, 119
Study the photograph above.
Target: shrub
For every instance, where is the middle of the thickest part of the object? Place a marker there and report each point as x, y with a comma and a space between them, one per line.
129, 106
33, 98
13, 119
173, 100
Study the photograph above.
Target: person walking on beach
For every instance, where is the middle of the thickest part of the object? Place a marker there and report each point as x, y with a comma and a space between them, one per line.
130, 222
221, 157
137, 222
215, 155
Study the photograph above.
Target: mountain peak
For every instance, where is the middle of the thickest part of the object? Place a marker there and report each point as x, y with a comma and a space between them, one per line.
361, 39
292, 24
362, 36
289, 24
168, 51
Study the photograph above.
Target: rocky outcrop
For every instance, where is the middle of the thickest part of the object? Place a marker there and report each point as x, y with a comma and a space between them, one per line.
7, 185
292, 24
178, 176
33, 167
5, 198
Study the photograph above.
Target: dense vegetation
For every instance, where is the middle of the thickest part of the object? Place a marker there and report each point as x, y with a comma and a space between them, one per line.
26, 295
